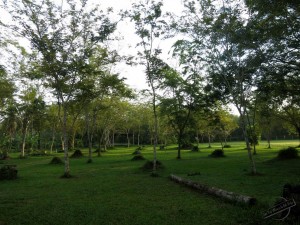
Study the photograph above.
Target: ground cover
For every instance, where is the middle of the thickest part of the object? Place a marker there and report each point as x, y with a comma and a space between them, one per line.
114, 190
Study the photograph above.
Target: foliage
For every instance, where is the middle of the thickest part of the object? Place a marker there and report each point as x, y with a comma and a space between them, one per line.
149, 165
288, 153
195, 148
218, 153
138, 157
56, 161
8, 172
77, 154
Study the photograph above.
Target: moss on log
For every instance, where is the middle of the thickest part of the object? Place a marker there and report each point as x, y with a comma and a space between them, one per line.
231, 196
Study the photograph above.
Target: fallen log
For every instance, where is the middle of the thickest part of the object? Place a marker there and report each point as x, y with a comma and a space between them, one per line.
233, 197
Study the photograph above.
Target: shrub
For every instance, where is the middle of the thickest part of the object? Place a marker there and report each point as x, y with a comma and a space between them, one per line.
288, 153
227, 146
195, 148
77, 154
136, 152
149, 165
39, 153
138, 157
8, 172
217, 153
56, 161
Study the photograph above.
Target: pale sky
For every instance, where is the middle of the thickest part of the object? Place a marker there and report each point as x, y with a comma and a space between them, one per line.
135, 75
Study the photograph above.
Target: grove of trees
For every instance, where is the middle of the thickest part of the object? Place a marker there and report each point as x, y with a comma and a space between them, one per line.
59, 92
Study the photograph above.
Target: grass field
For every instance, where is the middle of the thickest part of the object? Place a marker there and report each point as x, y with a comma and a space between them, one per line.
114, 190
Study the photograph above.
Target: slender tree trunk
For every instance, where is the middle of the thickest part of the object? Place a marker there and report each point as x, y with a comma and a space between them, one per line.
179, 145
209, 141
24, 140
128, 139
39, 141
269, 138
99, 144
113, 138
155, 135
197, 139
65, 138
254, 149
252, 163
133, 138
89, 136
52, 141
298, 129
62, 143
138, 137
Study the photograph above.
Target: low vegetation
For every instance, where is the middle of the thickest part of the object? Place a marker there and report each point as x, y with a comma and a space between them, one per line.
288, 153
115, 190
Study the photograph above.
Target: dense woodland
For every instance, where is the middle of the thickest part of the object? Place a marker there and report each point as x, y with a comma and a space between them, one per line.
58, 91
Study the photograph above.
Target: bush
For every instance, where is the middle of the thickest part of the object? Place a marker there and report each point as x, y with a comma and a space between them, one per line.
138, 157
77, 154
227, 146
288, 153
217, 153
195, 148
149, 165
39, 153
162, 147
56, 161
8, 172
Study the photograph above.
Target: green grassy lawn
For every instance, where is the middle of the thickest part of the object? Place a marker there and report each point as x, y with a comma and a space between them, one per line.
114, 190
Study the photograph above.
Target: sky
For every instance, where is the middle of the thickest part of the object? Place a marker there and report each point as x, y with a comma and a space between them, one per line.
135, 75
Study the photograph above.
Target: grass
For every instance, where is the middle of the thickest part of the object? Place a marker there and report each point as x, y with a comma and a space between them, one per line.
114, 190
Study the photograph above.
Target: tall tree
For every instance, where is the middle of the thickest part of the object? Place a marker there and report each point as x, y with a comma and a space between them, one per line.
63, 38
216, 38
148, 21
181, 97
276, 28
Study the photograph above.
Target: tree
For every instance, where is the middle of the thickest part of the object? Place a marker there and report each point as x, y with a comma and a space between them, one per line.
6, 87
276, 29
147, 18
62, 38
216, 37
181, 97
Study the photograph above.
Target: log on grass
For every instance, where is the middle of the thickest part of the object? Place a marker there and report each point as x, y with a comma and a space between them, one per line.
237, 198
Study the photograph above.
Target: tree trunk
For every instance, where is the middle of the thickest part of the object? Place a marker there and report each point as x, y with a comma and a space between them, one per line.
99, 144
298, 129
89, 137
113, 138
138, 137
269, 138
155, 132
65, 138
179, 146
197, 139
252, 163
39, 141
62, 143
133, 138
24, 140
237, 198
128, 139
52, 141
209, 141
